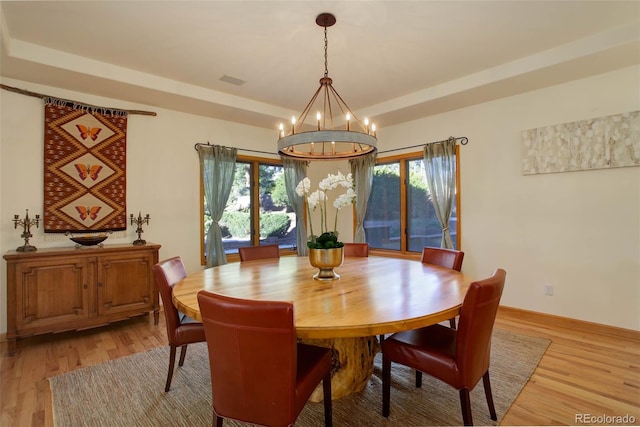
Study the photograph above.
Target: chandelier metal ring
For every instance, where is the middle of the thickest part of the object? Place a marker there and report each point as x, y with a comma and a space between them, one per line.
324, 144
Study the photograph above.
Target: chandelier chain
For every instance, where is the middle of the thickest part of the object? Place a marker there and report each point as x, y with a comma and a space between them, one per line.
326, 61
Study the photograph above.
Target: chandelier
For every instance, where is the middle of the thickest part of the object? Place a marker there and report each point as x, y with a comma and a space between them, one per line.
328, 138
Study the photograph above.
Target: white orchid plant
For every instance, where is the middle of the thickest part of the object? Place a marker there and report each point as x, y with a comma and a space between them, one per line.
318, 200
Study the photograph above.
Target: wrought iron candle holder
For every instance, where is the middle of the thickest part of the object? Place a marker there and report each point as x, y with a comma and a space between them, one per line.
138, 222
26, 223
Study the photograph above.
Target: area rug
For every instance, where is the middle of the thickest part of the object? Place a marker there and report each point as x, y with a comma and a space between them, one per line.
130, 392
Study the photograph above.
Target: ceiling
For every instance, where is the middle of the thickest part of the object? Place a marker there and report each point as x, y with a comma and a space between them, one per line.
392, 61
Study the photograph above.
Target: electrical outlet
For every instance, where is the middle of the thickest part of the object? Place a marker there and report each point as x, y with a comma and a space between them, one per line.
548, 289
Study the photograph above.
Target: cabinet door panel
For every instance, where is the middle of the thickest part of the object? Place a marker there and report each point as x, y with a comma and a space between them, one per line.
124, 283
51, 292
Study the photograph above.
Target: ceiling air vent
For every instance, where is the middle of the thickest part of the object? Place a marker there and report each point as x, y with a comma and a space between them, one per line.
232, 80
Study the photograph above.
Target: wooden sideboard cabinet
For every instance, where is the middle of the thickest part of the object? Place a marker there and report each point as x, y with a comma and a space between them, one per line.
62, 289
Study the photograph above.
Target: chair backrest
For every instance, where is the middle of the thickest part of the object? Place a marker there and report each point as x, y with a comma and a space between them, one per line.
248, 253
477, 316
449, 258
356, 249
252, 354
166, 274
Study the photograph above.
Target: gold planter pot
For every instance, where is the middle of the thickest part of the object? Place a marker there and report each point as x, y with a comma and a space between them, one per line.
326, 260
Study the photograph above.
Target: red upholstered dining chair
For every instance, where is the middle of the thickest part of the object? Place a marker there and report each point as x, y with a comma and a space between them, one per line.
181, 330
457, 357
248, 253
259, 373
356, 249
449, 258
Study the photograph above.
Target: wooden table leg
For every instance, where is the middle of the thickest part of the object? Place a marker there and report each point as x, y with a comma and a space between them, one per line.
352, 364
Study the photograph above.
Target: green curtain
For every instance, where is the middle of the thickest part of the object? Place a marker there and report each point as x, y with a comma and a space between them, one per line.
362, 171
440, 170
217, 166
294, 172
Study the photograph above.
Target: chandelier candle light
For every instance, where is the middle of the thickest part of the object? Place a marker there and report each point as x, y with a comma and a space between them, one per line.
26, 223
325, 251
330, 138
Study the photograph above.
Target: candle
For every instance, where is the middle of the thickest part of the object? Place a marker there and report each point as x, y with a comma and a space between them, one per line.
373, 129
293, 125
333, 147
348, 118
281, 133
366, 123
318, 116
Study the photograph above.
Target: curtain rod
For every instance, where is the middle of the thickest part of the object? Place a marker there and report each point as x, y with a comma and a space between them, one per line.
239, 149
42, 96
463, 141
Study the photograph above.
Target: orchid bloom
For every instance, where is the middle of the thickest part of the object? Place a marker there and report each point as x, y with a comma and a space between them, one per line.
303, 187
345, 199
319, 198
315, 198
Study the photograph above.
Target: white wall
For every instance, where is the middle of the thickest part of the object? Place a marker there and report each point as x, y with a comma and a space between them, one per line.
579, 231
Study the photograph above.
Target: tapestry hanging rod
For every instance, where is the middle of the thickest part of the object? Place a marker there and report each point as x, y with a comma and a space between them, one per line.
463, 141
42, 96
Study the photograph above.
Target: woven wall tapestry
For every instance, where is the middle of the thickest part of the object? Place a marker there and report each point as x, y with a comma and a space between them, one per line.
84, 168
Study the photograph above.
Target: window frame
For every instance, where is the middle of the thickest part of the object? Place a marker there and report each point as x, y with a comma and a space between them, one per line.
254, 195
402, 160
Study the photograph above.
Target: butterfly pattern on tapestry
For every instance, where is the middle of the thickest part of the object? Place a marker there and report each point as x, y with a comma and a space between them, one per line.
84, 168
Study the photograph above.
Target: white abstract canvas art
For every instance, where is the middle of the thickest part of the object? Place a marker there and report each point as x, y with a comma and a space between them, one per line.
603, 142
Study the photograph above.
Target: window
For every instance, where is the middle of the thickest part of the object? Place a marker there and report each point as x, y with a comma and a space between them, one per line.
400, 216
258, 210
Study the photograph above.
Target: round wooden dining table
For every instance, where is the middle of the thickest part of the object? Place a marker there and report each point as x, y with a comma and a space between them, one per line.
374, 296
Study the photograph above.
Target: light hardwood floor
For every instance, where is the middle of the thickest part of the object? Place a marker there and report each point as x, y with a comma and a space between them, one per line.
587, 369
